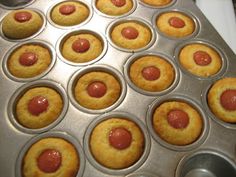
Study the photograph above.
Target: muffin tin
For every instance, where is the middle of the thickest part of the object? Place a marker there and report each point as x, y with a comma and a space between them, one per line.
216, 145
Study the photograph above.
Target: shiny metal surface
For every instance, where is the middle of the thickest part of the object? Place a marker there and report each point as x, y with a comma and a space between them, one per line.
15, 4
206, 163
161, 161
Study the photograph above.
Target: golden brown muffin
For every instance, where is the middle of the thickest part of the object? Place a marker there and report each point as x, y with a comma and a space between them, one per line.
38, 107
82, 48
157, 3
177, 123
114, 7
29, 60
20, 24
117, 143
175, 24
131, 35
200, 60
222, 99
51, 157
152, 73
97, 90
69, 13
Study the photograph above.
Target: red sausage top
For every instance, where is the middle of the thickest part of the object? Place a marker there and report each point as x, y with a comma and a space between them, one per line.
228, 100
97, 89
81, 45
49, 160
28, 59
120, 138
67, 9
178, 119
37, 105
130, 32
22, 16
176, 22
202, 58
151, 73
119, 3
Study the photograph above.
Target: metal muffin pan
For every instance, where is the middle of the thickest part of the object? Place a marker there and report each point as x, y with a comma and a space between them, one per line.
161, 161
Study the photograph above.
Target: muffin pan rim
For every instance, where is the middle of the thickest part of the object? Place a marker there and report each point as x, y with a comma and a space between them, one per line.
142, 174
161, 161
157, 7
122, 115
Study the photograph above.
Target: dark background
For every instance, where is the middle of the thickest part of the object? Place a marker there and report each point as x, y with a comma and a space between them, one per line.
234, 1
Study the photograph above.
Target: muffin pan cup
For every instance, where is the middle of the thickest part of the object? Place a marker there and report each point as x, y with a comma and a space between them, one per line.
206, 162
31, 42
64, 37
134, 57
30, 37
205, 129
133, 19
179, 10
15, 4
157, 7
122, 115
52, 134
114, 16
224, 60
160, 159
102, 68
212, 115
17, 95
73, 26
